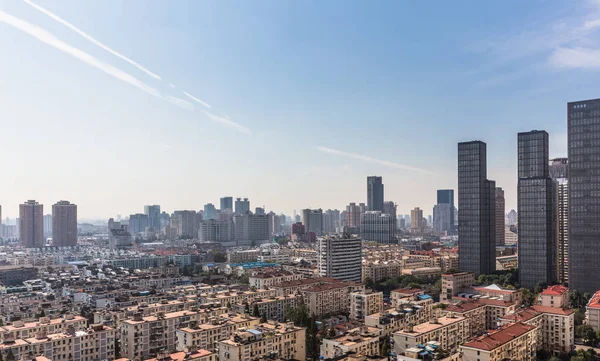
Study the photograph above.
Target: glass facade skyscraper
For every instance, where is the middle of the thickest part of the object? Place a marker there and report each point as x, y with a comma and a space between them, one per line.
374, 193
537, 216
583, 119
476, 205
446, 196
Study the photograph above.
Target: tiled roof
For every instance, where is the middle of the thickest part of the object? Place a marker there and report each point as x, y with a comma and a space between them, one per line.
500, 337
555, 290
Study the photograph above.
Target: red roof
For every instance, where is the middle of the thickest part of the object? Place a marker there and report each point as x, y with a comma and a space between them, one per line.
408, 291
524, 315
500, 337
488, 301
464, 307
595, 300
555, 290
553, 310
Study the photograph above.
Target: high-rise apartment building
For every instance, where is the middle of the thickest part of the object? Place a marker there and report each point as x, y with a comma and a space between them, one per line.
442, 215
500, 216
250, 227
259, 210
352, 215
537, 222
226, 203
187, 223
389, 207
138, 223
374, 193
416, 218
153, 213
331, 220
64, 224
476, 205
313, 220
215, 231
242, 205
47, 225
512, 218
377, 227
559, 172
210, 211
340, 258
31, 224
446, 196
584, 200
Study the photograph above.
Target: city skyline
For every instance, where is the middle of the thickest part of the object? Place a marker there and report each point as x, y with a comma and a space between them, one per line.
246, 104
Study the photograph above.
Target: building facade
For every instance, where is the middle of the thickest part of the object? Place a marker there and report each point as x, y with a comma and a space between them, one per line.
559, 172
446, 196
226, 203
31, 224
340, 258
375, 193
416, 218
476, 216
64, 224
500, 216
313, 220
377, 227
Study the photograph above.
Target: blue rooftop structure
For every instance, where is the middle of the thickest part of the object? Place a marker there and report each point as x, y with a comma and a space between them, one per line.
424, 297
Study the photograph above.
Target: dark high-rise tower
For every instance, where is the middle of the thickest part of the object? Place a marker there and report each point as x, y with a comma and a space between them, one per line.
584, 194
31, 224
153, 213
476, 210
559, 173
500, 216
374, 193
226, 203
64, 224
446, 196
537, 219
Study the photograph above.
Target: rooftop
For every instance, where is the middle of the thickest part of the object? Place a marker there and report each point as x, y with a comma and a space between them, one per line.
555, 290
500, 337
432, 326
594, 301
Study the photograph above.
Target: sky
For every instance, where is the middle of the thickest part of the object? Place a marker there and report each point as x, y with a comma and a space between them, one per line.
116, 104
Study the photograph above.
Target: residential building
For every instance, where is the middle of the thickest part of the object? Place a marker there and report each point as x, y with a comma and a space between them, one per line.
537, 221
210, 211
215, 231
512, 218
47, 225
340, 258
331, 221
592, 312
218, 328
477, 210
559, 173
375, 193
416, 218
584, 203
242, 206
31, 224
64, 224
376, 226
389, 207
353, 213
450, 331
118, 235
474, 312
511, 237
500, 216
380, 271
272, 308
446, 196
397, 318
265, 340
454, 283
555, 296
271, 278
517, 341
360, 341
442, 218
46, 325
226, 203
187, 223
138, 223
364, 303
327, 299
249, 227
313, 220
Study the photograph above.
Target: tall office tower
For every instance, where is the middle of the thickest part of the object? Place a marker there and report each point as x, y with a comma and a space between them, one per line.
210, 211
165, 219
215, 231
584, 189
340, 258
537, 241
416, 218
242, 205
47, 225
500, 216
442, 215
389, 207
187, 223
377, 227
250, 227
275, 223
477, 211
153, 213
446, 196
352, 215
313, 220
512, 218
138, 223
331, 220
374, 193
429, 221
31, 224
559, 172
259, 210
64, 224
226, 203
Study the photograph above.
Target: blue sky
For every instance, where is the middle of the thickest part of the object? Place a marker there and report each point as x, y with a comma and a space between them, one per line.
289, 103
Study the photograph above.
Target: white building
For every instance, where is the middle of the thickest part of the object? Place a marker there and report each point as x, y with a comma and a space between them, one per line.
340, 258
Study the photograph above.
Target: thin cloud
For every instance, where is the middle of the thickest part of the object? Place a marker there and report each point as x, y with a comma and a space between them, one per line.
582, 58
228, 123
46, 37
196, 99
179, 102
88, 37
372, 160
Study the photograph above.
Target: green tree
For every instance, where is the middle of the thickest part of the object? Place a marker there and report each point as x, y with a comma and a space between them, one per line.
263, 318
10, 356
229, 305
331, 333
255, 311
384, 346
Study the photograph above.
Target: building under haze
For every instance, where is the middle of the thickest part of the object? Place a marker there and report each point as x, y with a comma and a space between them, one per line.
389, 207
313, 220
416, 218
559, 173
446, 196
378, 227
64, 224
442, 215
340, 258
537, 242
500, 216
31, 224
374, 193
353, 212
153, 213
185, 223
584, 194
226, 203
215, 231
210, 211
138, 223
477, 212
242, 205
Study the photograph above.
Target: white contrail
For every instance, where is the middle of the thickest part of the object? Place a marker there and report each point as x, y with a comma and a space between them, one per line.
88, 37
372, 160
228, 123
196, 99
46, 37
